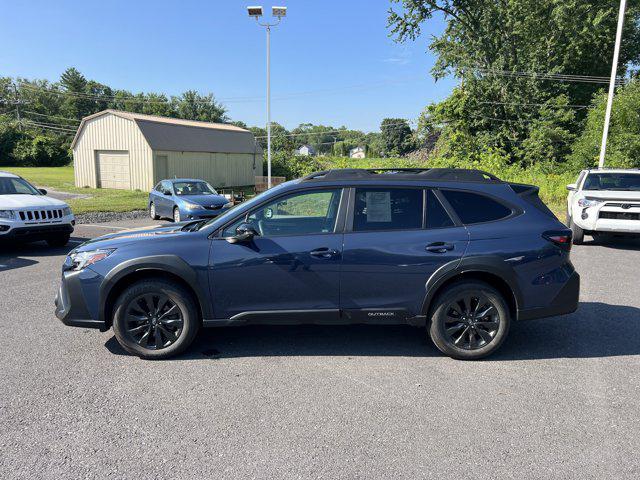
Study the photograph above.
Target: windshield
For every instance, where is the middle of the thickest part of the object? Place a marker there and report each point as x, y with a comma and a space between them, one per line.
17, 186
193, 188
612, 181
244, 206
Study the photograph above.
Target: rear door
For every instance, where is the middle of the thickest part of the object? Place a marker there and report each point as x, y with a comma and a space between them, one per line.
395, 239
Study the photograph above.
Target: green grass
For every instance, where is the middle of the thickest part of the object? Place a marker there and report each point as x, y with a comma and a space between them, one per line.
100, 200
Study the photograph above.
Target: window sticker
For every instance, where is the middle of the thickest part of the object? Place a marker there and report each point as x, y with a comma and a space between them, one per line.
378, 206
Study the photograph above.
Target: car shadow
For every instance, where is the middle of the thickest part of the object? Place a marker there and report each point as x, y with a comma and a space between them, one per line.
15, 255
594, 330
617, 242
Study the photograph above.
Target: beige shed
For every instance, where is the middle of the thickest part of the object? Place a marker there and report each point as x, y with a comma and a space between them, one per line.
124, 150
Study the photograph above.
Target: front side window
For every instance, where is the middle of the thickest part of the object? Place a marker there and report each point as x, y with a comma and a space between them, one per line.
475, 208
193, 188
307, 213
16, 186
165, 187
612, 181
387, 209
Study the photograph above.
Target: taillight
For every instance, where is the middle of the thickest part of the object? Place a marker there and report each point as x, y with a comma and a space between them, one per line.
559, 238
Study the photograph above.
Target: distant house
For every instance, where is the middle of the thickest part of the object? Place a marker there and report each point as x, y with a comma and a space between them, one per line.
357, 152
306, 150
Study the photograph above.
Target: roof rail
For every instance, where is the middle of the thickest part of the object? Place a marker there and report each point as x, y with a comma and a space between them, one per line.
449, 174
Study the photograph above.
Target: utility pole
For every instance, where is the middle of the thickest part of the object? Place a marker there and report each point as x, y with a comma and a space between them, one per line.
612, 83
279, 13
17, 103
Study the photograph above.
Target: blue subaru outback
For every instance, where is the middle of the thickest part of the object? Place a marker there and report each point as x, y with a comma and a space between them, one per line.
458, 252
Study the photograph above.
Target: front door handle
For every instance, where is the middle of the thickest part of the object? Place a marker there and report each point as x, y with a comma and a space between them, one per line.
439, 247
323, 252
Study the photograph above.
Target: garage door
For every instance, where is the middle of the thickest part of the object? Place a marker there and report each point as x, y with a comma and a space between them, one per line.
113, 170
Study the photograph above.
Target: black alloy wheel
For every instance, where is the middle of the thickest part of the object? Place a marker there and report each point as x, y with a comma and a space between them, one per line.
153, 321
472, 321
155, 318
469, 320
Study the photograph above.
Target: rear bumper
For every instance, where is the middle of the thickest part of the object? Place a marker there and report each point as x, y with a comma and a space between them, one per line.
36, 232
71, 308
565, 302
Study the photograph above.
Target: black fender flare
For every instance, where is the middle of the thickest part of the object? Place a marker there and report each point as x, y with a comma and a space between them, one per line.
491, 264
172, 264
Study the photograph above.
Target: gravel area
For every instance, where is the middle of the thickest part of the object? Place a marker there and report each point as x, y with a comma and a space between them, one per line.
102, 217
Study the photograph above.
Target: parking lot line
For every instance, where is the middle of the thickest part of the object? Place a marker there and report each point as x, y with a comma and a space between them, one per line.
93, 225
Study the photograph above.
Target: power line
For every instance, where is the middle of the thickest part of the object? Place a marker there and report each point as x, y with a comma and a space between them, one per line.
51, 116
548, 76
326, 132
535, 105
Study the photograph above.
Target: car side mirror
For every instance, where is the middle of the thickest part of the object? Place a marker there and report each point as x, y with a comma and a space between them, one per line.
42, 191
244, 233
572, 187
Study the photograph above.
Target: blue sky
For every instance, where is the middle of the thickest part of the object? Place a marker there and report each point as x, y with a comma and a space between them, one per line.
333, 62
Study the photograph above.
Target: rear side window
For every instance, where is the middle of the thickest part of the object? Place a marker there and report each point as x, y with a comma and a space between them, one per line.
474, 208
437, 216
387, 209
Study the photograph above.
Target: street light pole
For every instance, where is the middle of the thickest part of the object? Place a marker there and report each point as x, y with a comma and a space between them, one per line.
279, 13
268, 106
612, 83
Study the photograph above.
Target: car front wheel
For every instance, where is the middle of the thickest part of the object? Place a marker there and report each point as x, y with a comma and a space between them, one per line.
470, 320
176, 214
578, 233
155, 319
152, 211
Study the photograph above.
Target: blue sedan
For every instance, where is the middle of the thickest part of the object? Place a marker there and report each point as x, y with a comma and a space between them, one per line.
186, 199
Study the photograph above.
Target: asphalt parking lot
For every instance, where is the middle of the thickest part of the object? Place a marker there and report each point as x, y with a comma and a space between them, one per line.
560, 400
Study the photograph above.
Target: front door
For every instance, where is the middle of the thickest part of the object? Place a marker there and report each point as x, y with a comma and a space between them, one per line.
396, 239
290, 271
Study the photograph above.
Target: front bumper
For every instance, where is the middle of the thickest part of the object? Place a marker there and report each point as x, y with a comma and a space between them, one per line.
71, 307
202, 214
566, 301
35, 232
608, 218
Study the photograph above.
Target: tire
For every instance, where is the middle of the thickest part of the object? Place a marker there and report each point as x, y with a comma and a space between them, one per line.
474, 336
155, 319
176, 214
152, 212
578, 233
59, 240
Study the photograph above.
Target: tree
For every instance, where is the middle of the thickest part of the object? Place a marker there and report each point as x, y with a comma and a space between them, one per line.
623, 144
76, 104
493, 48
396, 136
193, 106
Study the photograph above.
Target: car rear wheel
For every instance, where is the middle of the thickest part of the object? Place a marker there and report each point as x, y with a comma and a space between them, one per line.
155, 319
578, 233
176, 214
152, 212
470, 320
59, 240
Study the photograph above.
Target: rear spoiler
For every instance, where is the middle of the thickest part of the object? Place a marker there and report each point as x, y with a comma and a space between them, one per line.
529, 193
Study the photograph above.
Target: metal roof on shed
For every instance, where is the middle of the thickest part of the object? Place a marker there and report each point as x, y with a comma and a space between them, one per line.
175, 134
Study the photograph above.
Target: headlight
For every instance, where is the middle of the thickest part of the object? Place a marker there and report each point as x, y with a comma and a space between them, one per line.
6, 214
586, 203
66, 211
192, 206
80, 260
228, 205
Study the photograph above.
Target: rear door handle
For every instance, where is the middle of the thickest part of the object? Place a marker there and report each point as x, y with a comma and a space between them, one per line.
323, 252
439, 247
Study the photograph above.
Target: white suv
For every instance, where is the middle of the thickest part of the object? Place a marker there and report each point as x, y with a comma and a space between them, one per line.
604, 201
28, 215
